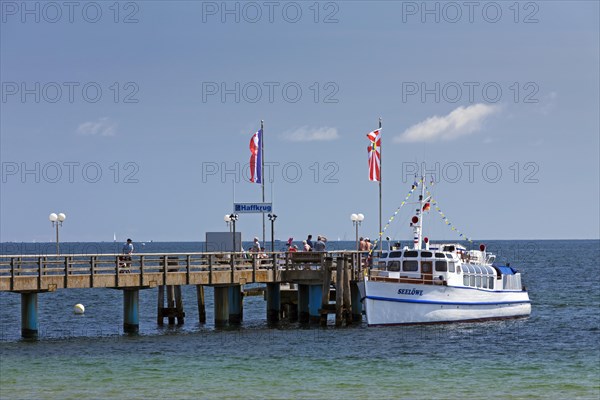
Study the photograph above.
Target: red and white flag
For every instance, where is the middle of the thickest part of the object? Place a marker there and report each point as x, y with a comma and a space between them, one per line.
256, 157
374, 155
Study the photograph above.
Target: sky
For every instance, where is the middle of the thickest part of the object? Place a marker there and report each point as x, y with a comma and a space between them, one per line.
134, 118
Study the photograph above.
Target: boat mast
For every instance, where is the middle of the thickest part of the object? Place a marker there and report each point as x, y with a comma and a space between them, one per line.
418, 224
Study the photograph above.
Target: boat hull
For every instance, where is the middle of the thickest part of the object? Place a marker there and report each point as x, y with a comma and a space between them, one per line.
389, 303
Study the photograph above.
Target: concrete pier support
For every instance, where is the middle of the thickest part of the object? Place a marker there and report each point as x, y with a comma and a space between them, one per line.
201, 304
315, 293
221, 305
356, 303
303, 301
273, 302
29, 315
235, 304
131, 311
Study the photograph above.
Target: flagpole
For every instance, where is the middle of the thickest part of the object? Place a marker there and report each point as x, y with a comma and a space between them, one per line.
380, 179
262, 180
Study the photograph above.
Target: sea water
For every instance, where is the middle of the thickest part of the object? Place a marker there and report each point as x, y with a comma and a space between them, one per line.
555, 353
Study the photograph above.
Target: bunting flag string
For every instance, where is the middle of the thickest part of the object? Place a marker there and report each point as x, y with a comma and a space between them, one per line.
414, 187
446, 220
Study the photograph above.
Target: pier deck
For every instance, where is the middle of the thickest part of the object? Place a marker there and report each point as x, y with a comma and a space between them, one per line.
316, 274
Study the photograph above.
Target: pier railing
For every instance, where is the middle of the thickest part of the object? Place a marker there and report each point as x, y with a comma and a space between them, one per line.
21, 273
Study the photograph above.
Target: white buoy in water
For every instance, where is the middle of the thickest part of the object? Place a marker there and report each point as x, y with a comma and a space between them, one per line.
78, 309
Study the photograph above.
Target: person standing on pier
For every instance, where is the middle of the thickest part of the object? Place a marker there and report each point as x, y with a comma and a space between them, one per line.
256, 246
362, 245
125, 259
128, 247
310, 242
320, 245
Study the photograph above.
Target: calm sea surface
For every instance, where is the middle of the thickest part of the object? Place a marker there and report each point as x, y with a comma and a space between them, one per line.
553, 354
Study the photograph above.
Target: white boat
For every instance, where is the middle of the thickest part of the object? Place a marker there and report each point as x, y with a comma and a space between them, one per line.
437, 283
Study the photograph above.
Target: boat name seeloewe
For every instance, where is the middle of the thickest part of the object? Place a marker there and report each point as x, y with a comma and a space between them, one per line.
410, 291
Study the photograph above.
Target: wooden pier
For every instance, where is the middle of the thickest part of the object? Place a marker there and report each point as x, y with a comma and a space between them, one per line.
316, 277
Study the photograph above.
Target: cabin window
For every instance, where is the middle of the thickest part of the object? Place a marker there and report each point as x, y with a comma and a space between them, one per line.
439, 255
449, 248
410, 265
466, 280
426, 254
484, 282
491, 282
449, 256
411, 254
477, 269
395, 254
458, 269
451, 266
383, 255
394, 266
426, 267
472, 280
478, 281
441, 266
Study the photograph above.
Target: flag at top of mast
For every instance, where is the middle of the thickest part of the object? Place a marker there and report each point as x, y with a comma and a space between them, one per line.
256, 157
374, 155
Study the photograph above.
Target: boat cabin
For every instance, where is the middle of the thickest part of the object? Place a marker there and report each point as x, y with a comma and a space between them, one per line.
449, 265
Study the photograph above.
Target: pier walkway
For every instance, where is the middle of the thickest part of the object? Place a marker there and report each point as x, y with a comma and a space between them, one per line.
314, 278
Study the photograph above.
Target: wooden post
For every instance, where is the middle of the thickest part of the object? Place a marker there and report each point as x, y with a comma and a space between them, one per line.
170, 303
356, 303
347, 294
339, 291
161, 304
201, 304
179, 305
303, 298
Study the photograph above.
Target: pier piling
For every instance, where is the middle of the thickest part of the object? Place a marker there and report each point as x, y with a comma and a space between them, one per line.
131, 307
303, 301
356, 302
201, 304
29, 315
339, 291
347, 296
314, 303
174, 307
235, 304
273, 302
221, 305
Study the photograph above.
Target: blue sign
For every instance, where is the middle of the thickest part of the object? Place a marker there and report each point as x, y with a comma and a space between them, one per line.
252, 208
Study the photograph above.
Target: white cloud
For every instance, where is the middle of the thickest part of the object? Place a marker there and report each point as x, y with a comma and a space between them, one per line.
460, 122
102, 127
306, 134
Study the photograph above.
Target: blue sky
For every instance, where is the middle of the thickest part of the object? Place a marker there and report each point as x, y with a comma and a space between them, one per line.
125, 127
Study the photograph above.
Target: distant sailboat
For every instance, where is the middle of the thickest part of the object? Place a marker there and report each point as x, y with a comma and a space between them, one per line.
115, 237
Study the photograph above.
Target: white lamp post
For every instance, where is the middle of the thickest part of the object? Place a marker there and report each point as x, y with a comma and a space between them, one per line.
57, 220
227, 219
356, 221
